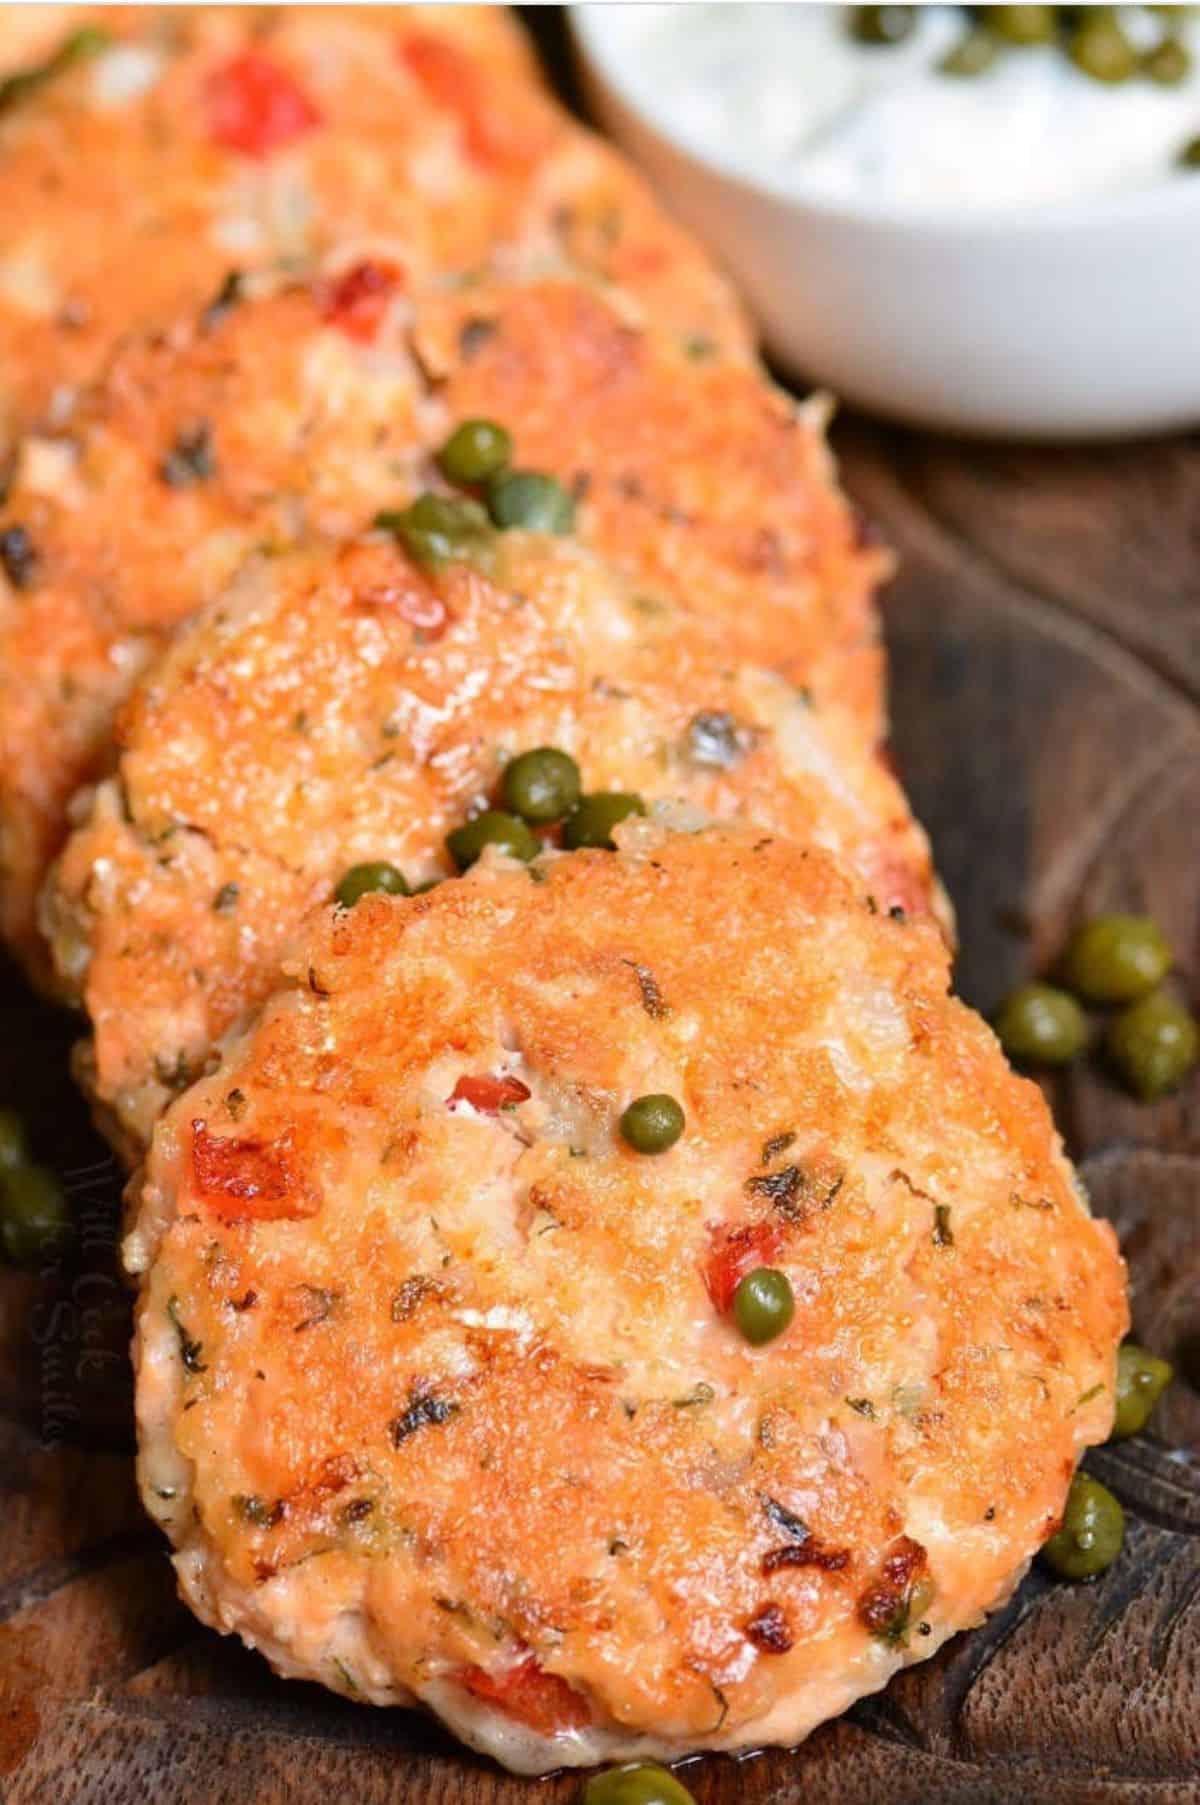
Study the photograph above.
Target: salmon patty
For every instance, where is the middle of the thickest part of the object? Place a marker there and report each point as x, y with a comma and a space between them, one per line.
276, 412
442, 1395
344, 705
152, 150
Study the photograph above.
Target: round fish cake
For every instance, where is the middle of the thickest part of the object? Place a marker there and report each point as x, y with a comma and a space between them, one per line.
440, 1397
338, 705
148, 151
272, 413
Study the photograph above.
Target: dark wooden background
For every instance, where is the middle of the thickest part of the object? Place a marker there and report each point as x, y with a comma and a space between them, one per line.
1045, 637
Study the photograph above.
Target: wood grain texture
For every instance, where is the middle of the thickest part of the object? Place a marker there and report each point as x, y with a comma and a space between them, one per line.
1045, 637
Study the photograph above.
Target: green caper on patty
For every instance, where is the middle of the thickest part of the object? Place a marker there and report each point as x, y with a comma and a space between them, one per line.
494, 827
542, 785
441, 529
530, 499
653, 1123
1153, 1044
591, 823
640, 1783
1141, 1380
1040, 1025
360, 880
1116, 958
1090, 1536
763, 1305
475, 451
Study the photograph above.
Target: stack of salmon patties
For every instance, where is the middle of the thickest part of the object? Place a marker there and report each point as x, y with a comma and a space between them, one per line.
458, 1121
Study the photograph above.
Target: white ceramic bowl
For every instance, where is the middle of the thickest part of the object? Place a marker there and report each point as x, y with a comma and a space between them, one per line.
1078, 320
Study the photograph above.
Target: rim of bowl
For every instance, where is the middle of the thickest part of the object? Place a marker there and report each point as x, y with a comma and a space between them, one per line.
1133, 206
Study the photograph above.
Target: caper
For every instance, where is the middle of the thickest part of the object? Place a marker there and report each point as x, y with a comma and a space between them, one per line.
492, 828
641, 1783
35, 1223
1024, 24
1040, 1025
1189, 154
474, 451
1168, 63
1141, 1380
653, 1123
882, 24
1116, 958
763, 1305
1100, 49
441, 529
591, 823
1154, 1044
527, 498
1093, 1528
361, 879
975, 52
542, 785
14, 1148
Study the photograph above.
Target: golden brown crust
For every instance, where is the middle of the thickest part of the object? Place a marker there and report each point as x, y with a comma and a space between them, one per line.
455, 1381
338, 706
276, 413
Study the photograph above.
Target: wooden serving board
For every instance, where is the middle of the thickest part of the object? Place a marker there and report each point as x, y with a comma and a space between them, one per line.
1045, 636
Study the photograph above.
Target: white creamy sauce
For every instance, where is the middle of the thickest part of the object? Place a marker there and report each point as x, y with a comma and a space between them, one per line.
784, 93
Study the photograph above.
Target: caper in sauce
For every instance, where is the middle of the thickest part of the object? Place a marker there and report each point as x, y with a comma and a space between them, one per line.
882, 24
1100, 48
640, 1783
530, 499
974, 53
441, 529
763, 1305
652, 1123
1024, 24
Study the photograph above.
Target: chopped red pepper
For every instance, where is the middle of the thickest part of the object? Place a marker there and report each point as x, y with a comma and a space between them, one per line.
536, 1698
455, 81
735, 1253
357, 301
249, 1180
489, 1094
254, 106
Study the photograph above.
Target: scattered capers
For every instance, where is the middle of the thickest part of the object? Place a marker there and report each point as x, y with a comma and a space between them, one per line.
35, 1223
1093, 1528
529, 499
641, 1783
1141, 1380
361, 879
1116, 958
882, 24
1100, 49
475, 451
492, 828
1040, 1025
440, 529
591, 823
542, 785
653, 1123
14, 1148
1154, 1044
974, 53
1024, 24
763, 1305
1168, 64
